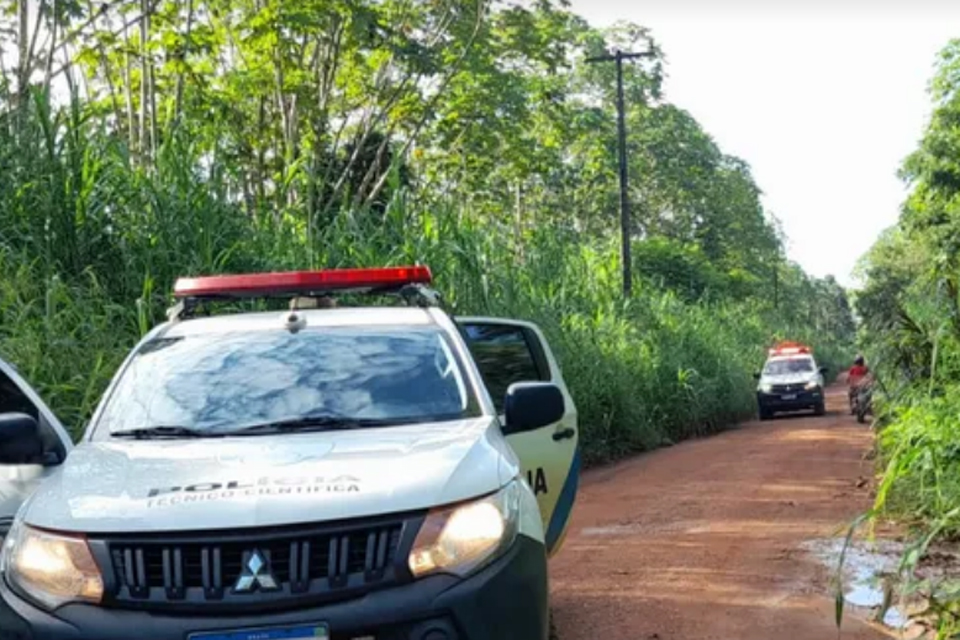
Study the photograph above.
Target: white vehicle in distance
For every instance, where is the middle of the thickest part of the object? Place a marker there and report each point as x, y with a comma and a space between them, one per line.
337, 473
790, 381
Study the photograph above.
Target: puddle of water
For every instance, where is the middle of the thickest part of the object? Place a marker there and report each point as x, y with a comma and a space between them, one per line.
864, 566
896, 619
862, 595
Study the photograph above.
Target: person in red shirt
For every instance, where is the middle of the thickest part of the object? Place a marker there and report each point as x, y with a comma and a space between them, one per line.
856, 376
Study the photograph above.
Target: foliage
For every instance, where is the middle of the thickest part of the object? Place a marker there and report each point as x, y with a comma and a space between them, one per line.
910, 308
141, 141
922, 478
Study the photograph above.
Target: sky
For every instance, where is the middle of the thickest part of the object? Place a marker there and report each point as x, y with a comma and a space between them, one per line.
822, 98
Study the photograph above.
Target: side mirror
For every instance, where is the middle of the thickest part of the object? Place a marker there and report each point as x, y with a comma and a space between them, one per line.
20, 441
532, 405
756, 376
823, 370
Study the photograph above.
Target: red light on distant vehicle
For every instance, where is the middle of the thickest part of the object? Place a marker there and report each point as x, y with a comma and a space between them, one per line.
300, 282
788, 349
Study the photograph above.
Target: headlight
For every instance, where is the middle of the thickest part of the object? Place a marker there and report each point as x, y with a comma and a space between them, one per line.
766, 387
49, 568
813, 384
462, 538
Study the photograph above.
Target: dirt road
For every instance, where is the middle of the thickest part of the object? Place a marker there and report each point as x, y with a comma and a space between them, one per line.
703, 540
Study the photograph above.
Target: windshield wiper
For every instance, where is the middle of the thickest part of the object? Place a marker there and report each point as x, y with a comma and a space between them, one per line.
310, 423
163, 431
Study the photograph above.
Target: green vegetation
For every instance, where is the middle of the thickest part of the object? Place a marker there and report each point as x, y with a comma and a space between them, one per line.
910, 306
140, 141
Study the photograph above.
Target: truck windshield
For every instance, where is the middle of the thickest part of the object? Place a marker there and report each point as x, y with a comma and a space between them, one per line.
787, 366
226, 382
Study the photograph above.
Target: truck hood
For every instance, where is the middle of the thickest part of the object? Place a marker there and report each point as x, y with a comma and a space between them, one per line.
255, 481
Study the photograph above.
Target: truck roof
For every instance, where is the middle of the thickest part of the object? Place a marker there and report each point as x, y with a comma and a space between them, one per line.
273, 320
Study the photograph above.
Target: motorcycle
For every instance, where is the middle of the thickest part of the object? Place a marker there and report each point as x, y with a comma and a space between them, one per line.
861, 402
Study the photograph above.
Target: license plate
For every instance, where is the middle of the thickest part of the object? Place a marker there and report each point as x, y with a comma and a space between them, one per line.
312, 631
789, 396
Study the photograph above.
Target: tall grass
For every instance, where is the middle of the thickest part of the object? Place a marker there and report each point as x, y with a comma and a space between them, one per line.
90, 245
66, 336
921, 452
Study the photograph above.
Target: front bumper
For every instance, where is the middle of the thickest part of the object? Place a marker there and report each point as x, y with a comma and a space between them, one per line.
505, 601
783, 402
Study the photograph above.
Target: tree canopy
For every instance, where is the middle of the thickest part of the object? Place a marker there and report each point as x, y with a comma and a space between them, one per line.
303, 109
141, 140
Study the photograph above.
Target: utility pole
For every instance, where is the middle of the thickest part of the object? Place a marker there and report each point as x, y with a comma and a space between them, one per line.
618, 57
776, 285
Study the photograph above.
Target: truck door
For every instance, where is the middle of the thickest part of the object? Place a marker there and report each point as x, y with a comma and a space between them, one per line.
18, 481
508, 351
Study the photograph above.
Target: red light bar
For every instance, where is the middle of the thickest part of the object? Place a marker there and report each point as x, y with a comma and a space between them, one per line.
789, 348
303, 282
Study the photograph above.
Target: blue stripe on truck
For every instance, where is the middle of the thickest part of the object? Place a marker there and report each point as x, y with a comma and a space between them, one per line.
561, 512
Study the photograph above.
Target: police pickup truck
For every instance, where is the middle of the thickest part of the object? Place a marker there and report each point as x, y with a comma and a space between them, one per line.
790, 381
323, 471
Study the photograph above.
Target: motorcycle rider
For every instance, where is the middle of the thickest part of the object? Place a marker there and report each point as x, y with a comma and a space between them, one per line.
856, 376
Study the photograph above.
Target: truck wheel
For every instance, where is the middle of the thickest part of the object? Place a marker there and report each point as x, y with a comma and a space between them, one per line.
820, 409
765, 414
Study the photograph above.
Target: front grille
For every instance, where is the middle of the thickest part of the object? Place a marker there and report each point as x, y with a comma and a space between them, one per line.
296, 566
789, 388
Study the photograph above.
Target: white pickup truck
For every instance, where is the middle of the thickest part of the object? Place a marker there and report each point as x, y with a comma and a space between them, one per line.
341, 473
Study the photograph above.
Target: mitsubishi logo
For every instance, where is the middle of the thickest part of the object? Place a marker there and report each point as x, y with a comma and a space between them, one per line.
256, 573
